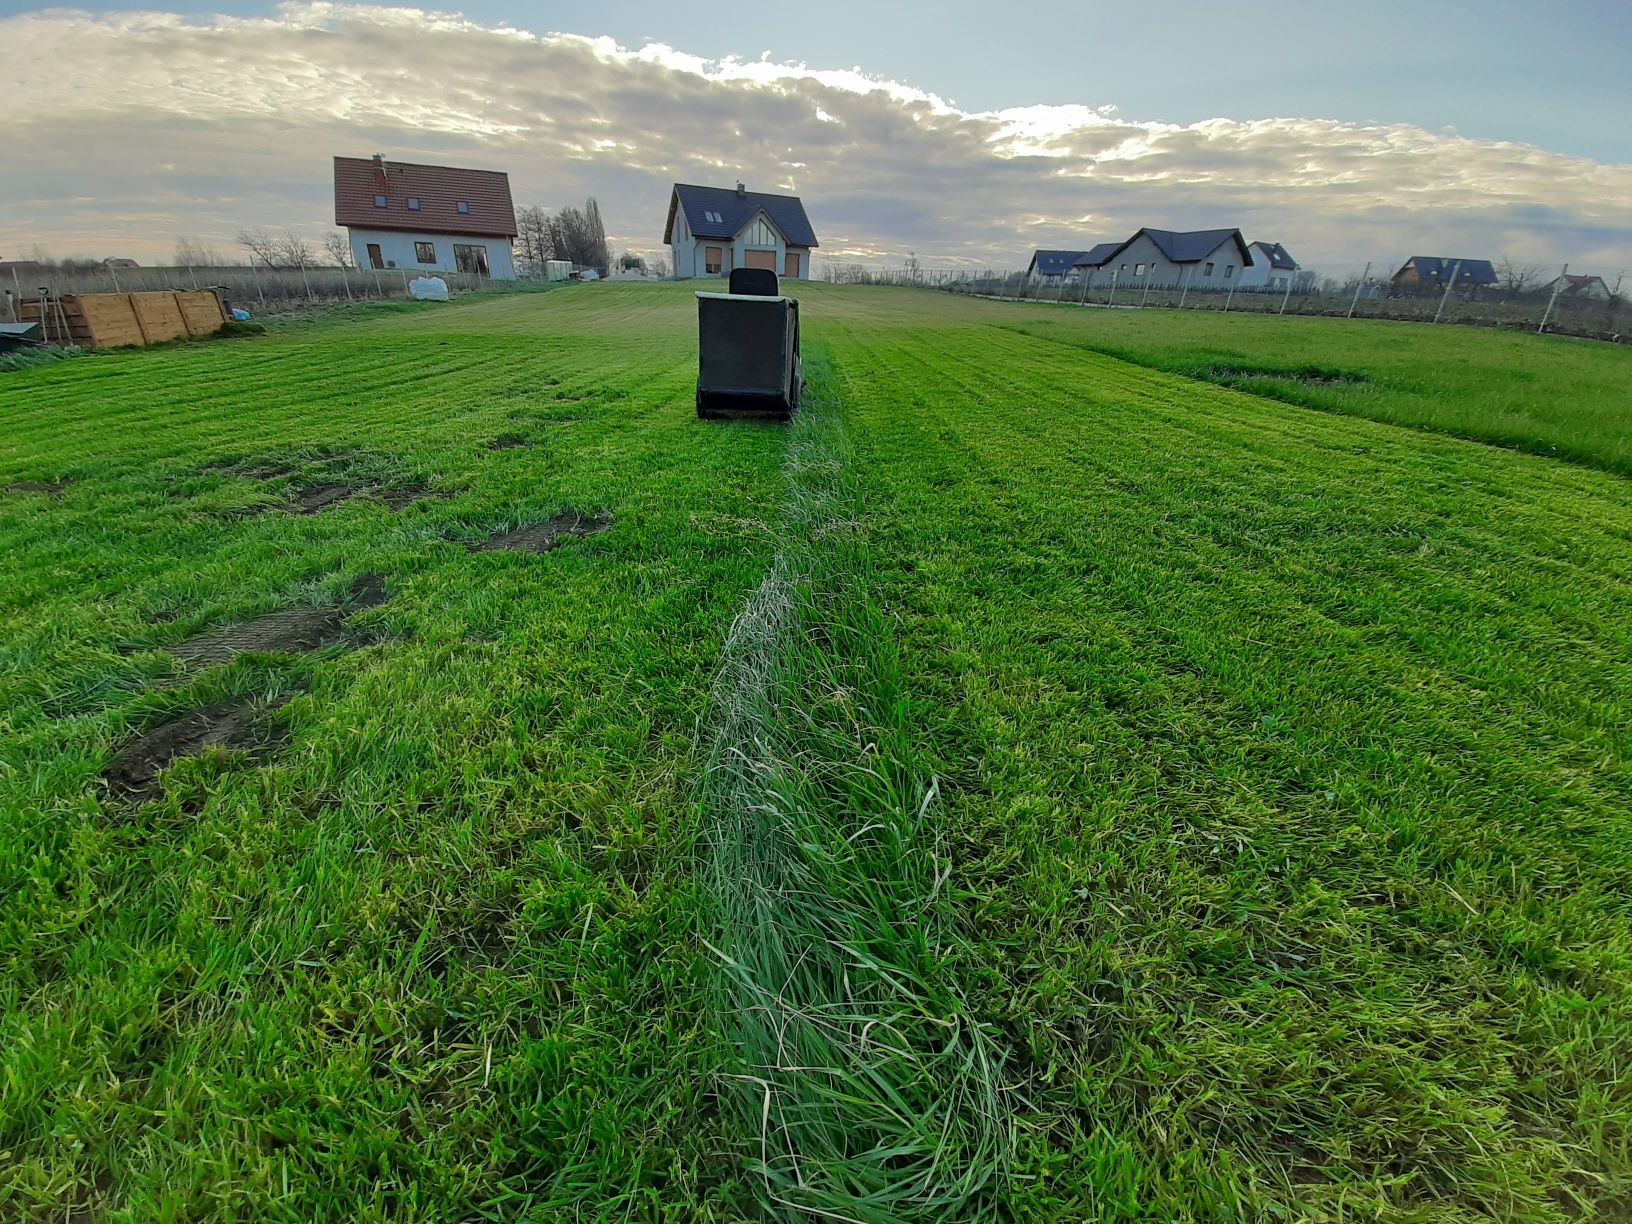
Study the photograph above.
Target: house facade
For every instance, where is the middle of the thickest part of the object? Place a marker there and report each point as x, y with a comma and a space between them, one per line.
1049, 267
712, 230
420, 218
1581, 288
1431, 273
1272, 267
1204, 259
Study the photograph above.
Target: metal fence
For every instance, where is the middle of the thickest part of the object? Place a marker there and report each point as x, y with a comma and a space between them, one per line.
1600, 318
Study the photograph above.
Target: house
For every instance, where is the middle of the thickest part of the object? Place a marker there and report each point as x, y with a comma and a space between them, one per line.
120, 264
1051, 265
1272, 267
1093, 260
425, 218
1199, 258
1581, 288
712, 230
1431, 273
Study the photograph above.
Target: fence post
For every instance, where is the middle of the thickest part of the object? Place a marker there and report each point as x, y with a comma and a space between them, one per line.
113, 276
1145, 296
194, 277
1548, 313
1449, 285
1111, 298
345, 279
1285, 296
1356, 299
1185, 291
1230, 296
1087, 279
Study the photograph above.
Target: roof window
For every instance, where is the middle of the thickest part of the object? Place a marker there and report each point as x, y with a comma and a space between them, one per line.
413, 203
464, 206
379, 201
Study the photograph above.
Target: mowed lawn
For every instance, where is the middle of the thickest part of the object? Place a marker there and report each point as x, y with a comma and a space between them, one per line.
1270, 766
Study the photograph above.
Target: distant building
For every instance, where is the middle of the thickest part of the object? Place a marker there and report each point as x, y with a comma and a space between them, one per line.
1272, 267
120, 264
1431, 273
1051, 265
1093, 260
1204, 259
711, 230
425, 218
1581, 288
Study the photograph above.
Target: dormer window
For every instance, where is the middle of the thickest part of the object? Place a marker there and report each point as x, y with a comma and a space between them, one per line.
379, 201
464, 206
413, 203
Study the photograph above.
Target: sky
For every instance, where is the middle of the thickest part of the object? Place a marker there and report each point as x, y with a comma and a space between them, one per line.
966, 134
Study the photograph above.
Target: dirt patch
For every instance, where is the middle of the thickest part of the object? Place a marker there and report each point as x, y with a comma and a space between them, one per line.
401, 499
226, 725
287, 631
52, 487
321, 497
542, 537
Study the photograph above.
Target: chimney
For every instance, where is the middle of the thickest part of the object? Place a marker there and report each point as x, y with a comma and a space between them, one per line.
742, 191
379, 173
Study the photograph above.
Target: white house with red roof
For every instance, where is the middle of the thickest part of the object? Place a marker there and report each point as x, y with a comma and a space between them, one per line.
420, 218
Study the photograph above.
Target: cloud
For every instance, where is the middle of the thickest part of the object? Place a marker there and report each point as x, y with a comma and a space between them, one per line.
157, 125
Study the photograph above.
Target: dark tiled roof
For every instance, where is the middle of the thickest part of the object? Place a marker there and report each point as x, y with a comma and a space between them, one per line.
1279, 257
1438, 267
1053, 263
439, 189
1097, 256
1187, 246
734, 212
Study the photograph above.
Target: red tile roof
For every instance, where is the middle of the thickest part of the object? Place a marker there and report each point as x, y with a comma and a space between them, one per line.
439, 189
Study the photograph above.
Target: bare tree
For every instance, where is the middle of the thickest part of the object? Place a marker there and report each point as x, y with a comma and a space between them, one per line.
1515, 277
913, 268
293, 251
658, 266
533, 248
338, 248
262, 246
190, 253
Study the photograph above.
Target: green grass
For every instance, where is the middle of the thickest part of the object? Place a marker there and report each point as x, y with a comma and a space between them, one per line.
1554, 395
1035, 785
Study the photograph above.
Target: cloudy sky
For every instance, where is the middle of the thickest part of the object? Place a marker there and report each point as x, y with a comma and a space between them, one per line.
1436, 126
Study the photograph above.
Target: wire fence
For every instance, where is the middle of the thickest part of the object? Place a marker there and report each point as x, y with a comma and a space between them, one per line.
261, 291
1605, 317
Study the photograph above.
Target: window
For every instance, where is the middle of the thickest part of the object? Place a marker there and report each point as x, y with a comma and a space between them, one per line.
379, 201
464, 206
1208, 270
1229, 271
1124, 267
425, 252
1138, 269
711, 260
413, 203
470, 257
714, 217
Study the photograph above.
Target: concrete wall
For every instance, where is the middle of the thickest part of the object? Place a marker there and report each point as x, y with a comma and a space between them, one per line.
397, 246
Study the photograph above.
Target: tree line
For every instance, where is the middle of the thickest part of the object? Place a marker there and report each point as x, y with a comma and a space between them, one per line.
576, 235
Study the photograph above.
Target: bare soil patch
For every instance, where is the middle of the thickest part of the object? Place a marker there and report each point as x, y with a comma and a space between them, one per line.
226, 725
321, 497
542, 537
52, 487
294, 630
402, 498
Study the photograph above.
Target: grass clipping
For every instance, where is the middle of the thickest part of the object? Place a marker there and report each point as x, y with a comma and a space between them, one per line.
872, 1093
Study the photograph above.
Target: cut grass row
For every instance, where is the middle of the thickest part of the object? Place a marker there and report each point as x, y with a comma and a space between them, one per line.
1284, 765
1554, 395
437, 957
1276, 865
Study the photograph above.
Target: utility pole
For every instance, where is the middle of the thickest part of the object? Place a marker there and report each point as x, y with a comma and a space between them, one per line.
1557, 285
1356, 299
1449, 285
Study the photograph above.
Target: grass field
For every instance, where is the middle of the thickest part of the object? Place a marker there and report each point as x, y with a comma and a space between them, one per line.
1041, 783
